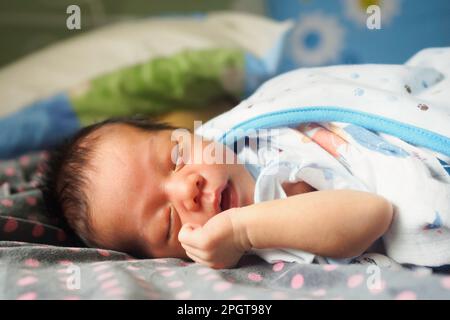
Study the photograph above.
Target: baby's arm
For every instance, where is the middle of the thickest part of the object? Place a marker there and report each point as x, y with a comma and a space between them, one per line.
335, 223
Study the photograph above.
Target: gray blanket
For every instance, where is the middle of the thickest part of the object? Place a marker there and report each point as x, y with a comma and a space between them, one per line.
33, 271
41, 259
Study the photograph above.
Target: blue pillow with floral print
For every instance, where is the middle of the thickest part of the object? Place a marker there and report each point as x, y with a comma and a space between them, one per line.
346, 31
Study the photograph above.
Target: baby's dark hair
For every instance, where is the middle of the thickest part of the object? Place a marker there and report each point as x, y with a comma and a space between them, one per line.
65, 180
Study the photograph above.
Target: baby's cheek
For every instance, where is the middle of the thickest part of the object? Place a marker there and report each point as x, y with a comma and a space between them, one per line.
181, 253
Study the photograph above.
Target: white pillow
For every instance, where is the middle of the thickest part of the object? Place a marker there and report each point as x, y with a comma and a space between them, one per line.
73, 61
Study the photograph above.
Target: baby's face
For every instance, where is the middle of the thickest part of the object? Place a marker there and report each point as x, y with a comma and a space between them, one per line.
140, 196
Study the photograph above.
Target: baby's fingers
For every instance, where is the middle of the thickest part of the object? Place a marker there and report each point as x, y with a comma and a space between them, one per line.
207, 263
191, 235
201, 254
198, 259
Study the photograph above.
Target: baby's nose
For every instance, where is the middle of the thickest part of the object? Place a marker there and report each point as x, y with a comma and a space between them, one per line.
189, 192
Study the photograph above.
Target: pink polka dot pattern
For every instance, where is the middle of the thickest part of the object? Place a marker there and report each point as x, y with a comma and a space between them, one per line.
133, 268
355, 280
446, 282
65, 262
203, 271
422, 272
28, 296
109, 284
406, 295
378, 287
24, 160
7, 203
168, 273
10, 171
210, 277
32, 201
297, 281
38, 231
103, 252
256, 277
319, 292
141, 281
330, 267
10, 225
115, 292
44, 155
33, 263
34, 184
40, 273
26, 281
222, 286
33, 223
278, 266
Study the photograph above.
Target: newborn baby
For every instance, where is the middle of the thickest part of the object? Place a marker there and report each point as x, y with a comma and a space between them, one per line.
137, 186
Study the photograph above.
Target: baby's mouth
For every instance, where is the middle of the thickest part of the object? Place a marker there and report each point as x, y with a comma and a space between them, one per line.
225, 201
229, 198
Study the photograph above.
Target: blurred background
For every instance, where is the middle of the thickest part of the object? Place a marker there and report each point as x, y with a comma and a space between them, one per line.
28, 25
180, 60
407, 25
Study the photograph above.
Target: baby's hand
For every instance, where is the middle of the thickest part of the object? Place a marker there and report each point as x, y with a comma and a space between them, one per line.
218, 244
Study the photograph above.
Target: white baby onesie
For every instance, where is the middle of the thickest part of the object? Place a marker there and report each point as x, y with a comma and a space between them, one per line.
296, 162
326, 156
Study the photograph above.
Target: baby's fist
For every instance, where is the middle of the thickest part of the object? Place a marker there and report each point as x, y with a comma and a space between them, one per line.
217, 244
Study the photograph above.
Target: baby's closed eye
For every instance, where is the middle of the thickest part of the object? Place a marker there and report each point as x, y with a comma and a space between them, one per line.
170, 224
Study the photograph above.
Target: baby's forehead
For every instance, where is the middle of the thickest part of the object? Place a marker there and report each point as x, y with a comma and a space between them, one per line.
123, 134
123, 157
120, 130
113, 171
124, 143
